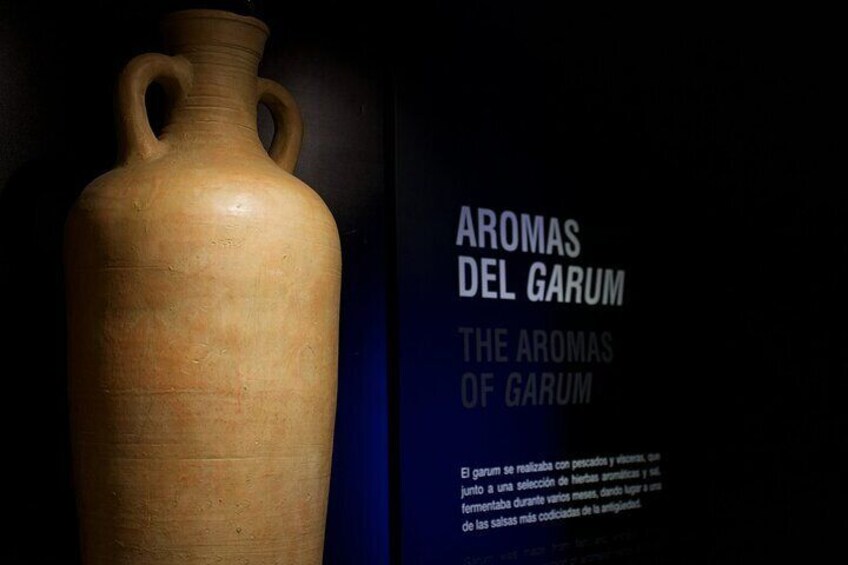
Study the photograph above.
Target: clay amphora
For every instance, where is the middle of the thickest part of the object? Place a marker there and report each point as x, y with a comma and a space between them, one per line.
203, 304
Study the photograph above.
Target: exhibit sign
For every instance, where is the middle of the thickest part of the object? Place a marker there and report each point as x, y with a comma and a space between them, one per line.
528, 413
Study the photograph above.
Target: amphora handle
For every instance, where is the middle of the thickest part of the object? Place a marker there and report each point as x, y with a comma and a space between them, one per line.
288, 125
136, 137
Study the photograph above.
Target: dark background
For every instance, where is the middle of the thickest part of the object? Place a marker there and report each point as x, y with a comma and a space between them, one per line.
723, 124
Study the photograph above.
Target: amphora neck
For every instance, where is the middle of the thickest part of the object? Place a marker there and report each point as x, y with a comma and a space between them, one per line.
224, 50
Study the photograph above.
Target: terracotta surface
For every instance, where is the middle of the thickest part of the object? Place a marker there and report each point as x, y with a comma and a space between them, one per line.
203, 293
